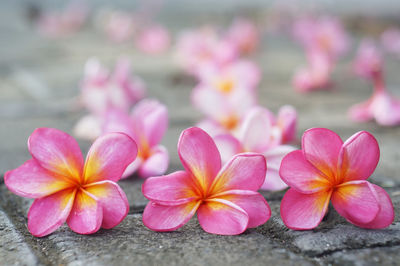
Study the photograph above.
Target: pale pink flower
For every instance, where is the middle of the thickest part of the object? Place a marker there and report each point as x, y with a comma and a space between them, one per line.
195, 49
85, 195
315, 76
369, 62
147, 124
326, 169
244, 34
154, 39
223, 111
120, 26
325, 34
65, 22
390, 40
102, 91
225, 198
262, 133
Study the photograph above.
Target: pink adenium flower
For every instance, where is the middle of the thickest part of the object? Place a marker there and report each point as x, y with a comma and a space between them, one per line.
147, 124
382, 106
225, 199
262, 133
102, 91
244, 34
65, 188
326, 169
154, 39
65, 22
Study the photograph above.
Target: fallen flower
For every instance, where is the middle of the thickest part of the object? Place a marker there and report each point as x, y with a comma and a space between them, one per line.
326, 169
225, 199
147, 125
65, 188
262, 133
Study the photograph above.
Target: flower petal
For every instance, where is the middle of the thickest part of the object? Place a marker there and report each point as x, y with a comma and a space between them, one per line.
222, 217
56, 151
116, 120
321, 147
156, 164
199, 155
304, 211
132, 168
168, 218
33, 181
172, 189
88, 127
385, 215
273, 181
47, 214
113, 200
86, 215
245, 171
252, 202
228, 146
151, 121
359, 156
356, 201
300, 174
108, 157
287, 120
361, 112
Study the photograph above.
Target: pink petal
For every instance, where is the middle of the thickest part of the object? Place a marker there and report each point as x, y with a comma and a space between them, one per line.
56, 151
273, 182
172, 189
156, 164
252, 202
86, 215
109, 156
118, 121
256, 130
132, 168
199, 155
321, 148
150, 119
361, 112
385, 215
356, 201
222, 217
113, 200
245, 171
304, 211
301, 175
168, 218
359, 156
287, 120
47, 214
88, 127
228, 146
33, 181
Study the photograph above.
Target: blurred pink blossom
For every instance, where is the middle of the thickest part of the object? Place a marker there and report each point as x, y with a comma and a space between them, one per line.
154, 39
390, 39
146, 124
261, 132
65, 22
120, 26
369, 62
197, 48
244, 34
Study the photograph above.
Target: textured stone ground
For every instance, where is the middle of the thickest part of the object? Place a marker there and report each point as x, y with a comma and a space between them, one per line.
38, 87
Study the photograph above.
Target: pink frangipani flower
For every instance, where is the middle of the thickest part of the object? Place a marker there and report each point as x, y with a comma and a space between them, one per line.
85, 195
147, 125
326, 169
154, 39
225, 198
262, 133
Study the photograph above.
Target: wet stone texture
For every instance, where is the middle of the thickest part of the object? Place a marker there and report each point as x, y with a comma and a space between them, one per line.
39, 84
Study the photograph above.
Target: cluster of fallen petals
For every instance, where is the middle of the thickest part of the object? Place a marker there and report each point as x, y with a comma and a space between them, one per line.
326, 169
381, 106
67, 189
225, 197
324, 40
